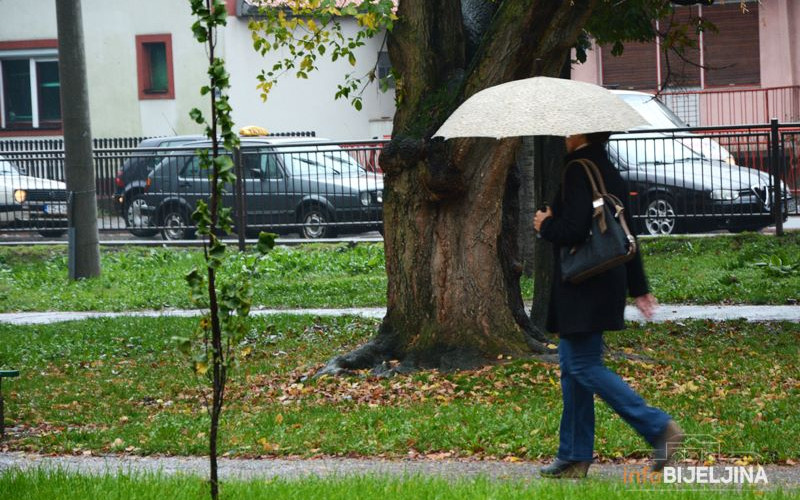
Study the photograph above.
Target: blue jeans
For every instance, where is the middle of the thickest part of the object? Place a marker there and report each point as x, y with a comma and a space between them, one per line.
583, 375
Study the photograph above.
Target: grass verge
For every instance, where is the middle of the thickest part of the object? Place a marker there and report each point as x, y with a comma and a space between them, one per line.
117, 385
696, 270
42, 485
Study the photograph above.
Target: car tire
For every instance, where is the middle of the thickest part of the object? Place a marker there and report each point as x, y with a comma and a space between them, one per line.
137, 223
659, 217
314, 219
176, 224
52, 233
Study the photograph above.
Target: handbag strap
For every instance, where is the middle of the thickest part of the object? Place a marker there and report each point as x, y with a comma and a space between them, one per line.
598, 189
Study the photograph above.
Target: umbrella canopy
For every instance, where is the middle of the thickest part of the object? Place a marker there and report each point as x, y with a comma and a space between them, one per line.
540, 106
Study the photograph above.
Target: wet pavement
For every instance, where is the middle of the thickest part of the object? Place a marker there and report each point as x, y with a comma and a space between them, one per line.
777, 476
665, 312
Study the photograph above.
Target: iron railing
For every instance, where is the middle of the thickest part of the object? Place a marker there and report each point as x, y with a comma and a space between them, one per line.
682, 180
289, 184
734, 106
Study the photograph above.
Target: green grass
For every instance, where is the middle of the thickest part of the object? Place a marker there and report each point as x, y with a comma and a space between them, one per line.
115, 385
697, 270
41, 485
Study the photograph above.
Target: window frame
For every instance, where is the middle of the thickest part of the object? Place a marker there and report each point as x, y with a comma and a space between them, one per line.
143, 66
34, 51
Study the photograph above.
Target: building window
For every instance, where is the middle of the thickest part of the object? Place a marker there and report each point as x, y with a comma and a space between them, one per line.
30, 97
385, 70
154, 61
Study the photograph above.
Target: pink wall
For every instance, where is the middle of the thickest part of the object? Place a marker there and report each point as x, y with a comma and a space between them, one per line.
590, 71
779, 43
780, 55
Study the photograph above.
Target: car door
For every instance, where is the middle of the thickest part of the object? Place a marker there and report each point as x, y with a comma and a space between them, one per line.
193, 184
268, 199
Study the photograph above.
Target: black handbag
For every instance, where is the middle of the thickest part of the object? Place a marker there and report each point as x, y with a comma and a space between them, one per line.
610, 242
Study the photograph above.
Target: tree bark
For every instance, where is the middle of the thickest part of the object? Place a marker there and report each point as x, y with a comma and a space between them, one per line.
451, 208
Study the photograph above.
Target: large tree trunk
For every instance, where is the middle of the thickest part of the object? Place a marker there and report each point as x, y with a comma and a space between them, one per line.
451, 208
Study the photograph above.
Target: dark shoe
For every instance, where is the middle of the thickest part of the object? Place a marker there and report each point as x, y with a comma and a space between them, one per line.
667, 444
565, 468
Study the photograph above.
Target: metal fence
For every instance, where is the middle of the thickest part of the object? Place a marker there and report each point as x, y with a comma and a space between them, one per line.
734, 106
288, 184
681, 180
697, 180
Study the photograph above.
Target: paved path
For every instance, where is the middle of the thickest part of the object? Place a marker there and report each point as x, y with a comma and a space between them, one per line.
777, 476
666, 312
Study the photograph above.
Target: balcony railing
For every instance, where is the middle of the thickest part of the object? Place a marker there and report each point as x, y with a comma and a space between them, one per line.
735, 106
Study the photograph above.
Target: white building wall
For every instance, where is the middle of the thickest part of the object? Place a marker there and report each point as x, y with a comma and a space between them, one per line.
305, 105
110, 29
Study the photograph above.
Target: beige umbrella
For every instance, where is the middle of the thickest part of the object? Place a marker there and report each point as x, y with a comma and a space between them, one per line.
540, 106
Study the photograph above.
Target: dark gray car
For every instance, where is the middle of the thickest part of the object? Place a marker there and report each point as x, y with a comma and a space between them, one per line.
675, 189
318, 189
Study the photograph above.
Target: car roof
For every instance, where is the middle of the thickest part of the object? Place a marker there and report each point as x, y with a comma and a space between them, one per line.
266, 140
630, 92
157, 141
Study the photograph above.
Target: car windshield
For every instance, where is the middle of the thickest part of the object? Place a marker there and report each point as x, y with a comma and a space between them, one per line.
653, 110
7, 168
652, 151
321, 161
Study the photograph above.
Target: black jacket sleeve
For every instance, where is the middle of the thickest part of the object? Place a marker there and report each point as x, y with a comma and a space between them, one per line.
634, 268
571, 224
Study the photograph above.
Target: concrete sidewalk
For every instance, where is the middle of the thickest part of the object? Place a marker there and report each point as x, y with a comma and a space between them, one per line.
786, 477
666, 312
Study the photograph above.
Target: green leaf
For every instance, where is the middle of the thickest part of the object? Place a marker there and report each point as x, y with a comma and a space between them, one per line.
183, 344
266, 242
197, 115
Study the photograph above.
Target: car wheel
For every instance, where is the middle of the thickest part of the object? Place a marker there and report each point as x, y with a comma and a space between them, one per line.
315, 219
137, 219
176, 225
52, 233
659, 217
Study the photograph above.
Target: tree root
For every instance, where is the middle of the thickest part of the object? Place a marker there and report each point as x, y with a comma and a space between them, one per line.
384, 359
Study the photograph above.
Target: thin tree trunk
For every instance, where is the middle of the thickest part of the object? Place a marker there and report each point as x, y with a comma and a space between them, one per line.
84, 251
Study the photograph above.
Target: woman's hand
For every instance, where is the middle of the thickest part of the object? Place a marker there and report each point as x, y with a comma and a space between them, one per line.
540, 217
646, 304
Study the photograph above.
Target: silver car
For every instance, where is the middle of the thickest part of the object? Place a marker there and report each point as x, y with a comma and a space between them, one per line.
28, 202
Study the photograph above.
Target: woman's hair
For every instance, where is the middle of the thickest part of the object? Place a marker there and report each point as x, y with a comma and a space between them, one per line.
598, 137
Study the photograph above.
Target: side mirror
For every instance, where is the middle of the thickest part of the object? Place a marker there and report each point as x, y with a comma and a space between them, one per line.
256, 173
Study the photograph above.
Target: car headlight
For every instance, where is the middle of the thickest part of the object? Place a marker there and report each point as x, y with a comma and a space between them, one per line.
724, 194
368, 197
20, 195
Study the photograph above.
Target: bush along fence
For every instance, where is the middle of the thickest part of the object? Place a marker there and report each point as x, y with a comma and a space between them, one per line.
681, 180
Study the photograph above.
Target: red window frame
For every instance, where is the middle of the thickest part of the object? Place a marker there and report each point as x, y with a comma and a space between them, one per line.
143, 66
44, 43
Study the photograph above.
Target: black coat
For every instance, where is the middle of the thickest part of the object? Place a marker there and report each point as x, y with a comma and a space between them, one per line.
598, 303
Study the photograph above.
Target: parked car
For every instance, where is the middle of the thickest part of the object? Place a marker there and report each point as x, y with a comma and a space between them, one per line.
675, 189
131, 178
681, 182
289, 184
31, 202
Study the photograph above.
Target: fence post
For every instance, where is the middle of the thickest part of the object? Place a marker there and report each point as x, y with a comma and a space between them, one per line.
241, 227
777, 194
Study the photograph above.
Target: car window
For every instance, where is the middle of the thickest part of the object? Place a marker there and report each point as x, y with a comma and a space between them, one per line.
7, 168
651, 151
191, 168
654, 111
324, 160
269, 165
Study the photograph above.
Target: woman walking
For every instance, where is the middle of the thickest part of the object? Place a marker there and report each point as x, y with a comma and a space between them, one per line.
580, 313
